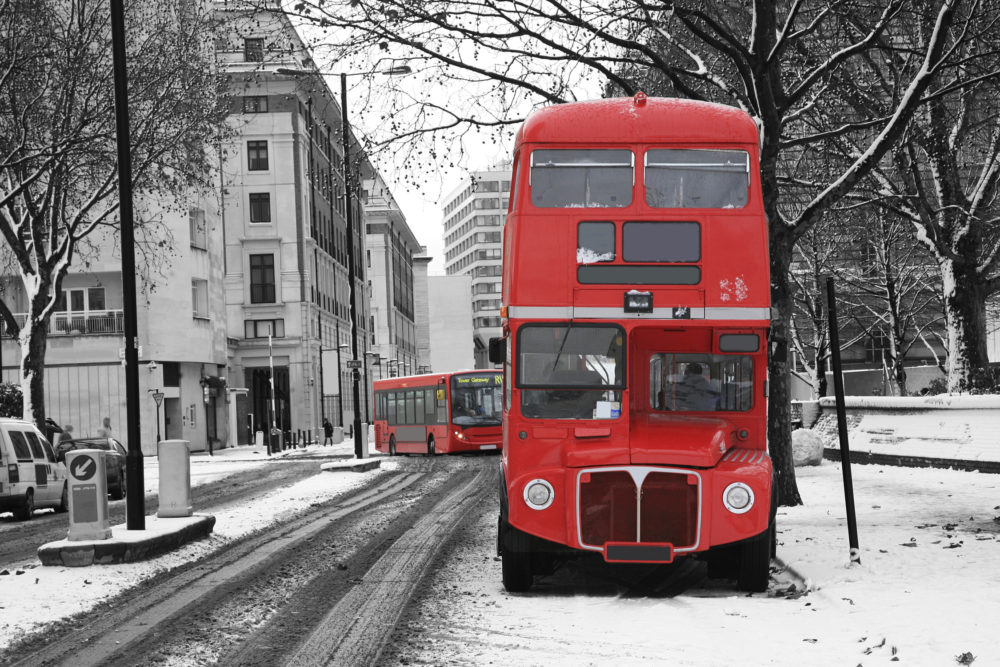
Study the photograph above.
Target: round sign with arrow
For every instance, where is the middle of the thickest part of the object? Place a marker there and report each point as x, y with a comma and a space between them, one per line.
83, 467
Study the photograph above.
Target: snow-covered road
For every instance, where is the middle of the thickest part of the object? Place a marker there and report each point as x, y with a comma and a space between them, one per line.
924, 594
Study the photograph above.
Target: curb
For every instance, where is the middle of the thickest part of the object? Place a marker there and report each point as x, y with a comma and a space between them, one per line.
123, 547
905, 461
354, 465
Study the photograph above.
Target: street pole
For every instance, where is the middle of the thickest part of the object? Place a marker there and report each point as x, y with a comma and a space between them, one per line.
274, 412
135, 510
340, 380
158, 399
322, 406
352, 289
845, 450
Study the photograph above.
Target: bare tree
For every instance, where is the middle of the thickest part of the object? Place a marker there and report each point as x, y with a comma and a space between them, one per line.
891, 291
58, 169
944, 180
782, 62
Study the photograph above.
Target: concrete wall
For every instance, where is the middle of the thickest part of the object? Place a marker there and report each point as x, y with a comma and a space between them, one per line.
965, 428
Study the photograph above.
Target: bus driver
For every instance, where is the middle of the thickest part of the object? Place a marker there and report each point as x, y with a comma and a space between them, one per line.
694, 391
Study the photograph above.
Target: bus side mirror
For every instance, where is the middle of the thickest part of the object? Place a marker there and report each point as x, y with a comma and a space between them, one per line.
498, 350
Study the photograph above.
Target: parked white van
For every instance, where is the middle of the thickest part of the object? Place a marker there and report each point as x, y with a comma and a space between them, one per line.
30, 476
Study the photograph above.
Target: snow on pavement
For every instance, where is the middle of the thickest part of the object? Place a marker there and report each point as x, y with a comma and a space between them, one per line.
924, 594
32, 595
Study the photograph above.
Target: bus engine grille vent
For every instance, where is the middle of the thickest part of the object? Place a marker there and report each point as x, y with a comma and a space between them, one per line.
613, 509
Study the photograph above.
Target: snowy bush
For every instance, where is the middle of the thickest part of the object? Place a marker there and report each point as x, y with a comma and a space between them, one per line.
807, 448
11, 400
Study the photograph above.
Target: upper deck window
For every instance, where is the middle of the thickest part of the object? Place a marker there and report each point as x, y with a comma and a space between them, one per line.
585, 178
684, 178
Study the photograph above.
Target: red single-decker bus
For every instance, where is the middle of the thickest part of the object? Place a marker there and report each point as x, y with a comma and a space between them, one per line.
438, 413
636, 307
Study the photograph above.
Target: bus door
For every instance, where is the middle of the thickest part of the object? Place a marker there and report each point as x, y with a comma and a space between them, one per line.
411, 428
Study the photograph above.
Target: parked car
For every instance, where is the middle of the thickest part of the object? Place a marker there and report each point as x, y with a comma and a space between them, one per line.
114, 460
30, 474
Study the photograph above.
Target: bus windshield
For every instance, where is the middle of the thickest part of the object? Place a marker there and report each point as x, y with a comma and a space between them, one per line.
700, 382
476, 400
578, 371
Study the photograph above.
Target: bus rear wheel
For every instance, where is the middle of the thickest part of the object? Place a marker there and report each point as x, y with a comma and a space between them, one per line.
392, 445
430, 446
515, 558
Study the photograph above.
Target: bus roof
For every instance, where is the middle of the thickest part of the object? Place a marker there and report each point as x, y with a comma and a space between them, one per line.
639, 119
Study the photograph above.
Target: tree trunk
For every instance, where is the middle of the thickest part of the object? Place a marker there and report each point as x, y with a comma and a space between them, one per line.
779, 412
965, 312
34, 340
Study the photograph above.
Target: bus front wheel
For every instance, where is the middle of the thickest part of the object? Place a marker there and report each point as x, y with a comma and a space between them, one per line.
515, 558
755, 562
392, 445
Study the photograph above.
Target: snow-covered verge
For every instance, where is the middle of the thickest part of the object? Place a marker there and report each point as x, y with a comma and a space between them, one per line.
925, 592
32, 595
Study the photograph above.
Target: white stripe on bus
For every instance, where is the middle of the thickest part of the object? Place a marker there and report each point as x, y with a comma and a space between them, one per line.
600, 313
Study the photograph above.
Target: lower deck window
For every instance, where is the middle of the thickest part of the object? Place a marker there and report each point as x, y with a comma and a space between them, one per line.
700, 382
571, 372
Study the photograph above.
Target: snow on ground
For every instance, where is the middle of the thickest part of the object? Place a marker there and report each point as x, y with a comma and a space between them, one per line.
925, 592
32, 595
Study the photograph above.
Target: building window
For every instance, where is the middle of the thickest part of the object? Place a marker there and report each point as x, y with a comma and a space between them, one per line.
264, 328
95, 299
262, 279
199, 298
260, 207
257, 155
196, 220
255, 104
253, 49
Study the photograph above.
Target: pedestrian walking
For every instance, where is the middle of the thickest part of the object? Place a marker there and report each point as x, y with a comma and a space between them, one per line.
327, 432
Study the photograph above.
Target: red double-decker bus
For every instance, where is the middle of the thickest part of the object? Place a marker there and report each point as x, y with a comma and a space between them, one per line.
636, 306
438, 413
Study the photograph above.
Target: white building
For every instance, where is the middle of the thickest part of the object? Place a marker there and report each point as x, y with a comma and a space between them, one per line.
473, 245
390, 257
450, 323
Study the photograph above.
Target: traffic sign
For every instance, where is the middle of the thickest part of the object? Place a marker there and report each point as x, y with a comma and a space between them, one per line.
354, 363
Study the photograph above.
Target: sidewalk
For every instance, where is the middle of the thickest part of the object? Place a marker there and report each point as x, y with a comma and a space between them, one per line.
166, 534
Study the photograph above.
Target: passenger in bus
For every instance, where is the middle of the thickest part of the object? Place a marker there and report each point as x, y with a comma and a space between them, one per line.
694, 392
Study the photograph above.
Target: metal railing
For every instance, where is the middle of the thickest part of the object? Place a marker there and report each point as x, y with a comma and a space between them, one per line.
94, 322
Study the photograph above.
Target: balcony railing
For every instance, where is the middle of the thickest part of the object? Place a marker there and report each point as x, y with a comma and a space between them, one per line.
94, 323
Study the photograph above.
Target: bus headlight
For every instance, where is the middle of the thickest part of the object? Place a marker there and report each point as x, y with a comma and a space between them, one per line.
538, 494
460, 435
738, 498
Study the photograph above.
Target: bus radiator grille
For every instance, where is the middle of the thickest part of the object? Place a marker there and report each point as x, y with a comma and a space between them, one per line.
609, 511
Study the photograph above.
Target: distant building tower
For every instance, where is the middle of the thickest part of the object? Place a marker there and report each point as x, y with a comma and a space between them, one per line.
391, 248
473, 245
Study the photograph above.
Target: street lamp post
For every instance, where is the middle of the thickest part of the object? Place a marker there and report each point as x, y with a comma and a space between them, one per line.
340, 380
158, 399
351, 273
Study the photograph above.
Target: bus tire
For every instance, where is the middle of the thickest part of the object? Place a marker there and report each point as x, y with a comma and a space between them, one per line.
392, 445
755, 562
515, 558
431, 451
